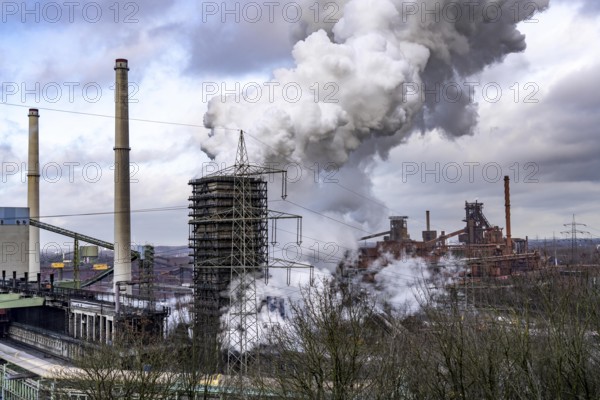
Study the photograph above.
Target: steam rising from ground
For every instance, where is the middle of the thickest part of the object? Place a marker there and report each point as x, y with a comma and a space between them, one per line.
404, 284
400, 285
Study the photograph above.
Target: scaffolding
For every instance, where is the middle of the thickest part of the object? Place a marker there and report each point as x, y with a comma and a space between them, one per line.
228, 227
229, 244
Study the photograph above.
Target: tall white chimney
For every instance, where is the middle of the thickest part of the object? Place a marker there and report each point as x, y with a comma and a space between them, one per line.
33, 191
122, 270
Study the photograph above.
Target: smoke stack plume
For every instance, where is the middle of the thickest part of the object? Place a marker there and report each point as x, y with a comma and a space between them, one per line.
507, 213
122, 262
379, 58
33, 190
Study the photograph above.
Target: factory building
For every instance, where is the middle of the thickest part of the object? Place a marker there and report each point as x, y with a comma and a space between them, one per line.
15, 240
487, 252
59, 317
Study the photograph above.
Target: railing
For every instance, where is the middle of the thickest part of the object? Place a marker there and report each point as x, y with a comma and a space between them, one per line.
129, 302
12, 388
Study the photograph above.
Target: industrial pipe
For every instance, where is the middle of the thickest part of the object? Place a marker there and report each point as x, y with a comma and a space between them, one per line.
33, 190
507, 214
122, 255
427, 219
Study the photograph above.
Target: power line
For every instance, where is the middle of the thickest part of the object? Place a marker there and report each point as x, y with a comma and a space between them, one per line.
194, 126
328, 217
574, 231
337, 183
111, 116
143, 210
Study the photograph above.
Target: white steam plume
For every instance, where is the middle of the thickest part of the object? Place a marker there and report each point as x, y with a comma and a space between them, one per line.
403, 284
353, 75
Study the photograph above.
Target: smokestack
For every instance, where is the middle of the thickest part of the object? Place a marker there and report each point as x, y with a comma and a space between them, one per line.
33, 190
122, 261
507, 212
427, 219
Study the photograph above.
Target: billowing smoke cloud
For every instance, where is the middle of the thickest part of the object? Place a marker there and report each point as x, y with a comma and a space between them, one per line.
355, 78
367, 74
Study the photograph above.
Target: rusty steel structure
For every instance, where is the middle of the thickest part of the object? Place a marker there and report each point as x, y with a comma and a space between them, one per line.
477, 224
486, 251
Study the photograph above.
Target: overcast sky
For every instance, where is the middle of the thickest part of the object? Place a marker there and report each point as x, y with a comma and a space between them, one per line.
541, 129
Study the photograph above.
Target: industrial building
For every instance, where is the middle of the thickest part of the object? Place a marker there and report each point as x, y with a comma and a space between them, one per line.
14, 231
59, 318
228, 246
488, 253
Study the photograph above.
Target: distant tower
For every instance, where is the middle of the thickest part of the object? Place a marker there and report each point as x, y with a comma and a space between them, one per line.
399, 229
574, 245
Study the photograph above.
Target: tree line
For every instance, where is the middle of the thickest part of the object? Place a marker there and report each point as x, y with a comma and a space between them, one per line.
530, 337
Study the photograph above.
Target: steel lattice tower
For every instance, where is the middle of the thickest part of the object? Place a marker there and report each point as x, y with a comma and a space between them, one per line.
229, 218
249, 251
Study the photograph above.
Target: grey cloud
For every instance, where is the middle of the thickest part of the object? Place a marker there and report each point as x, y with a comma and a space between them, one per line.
484, 42
239, 49
586, 7
233, 43
568, 121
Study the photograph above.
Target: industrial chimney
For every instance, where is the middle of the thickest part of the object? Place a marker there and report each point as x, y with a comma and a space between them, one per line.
428, 234
33, 190
122, 269
507, 213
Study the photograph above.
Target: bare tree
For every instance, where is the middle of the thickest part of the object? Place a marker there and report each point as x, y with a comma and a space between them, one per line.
335, 345
536, 338
195, 365
136, 365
